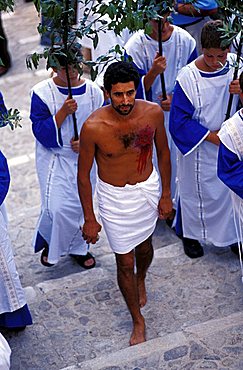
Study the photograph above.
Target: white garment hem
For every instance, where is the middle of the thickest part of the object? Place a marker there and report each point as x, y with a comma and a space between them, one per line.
214, 243
129, 249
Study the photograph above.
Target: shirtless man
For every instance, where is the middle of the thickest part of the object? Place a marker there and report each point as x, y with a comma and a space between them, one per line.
120, 137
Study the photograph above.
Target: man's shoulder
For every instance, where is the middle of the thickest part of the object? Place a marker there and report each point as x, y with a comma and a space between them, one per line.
186, 72
98, 116
145, 104
137, 38
148, 107
41, 85
184, 34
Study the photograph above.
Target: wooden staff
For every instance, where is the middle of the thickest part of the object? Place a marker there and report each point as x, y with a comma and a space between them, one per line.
65, 41
162, 77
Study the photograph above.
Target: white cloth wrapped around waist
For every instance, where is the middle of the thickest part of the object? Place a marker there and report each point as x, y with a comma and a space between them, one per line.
128, 213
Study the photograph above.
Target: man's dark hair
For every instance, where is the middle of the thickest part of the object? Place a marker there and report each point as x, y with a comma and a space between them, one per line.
120, 72
241, 81
213, 36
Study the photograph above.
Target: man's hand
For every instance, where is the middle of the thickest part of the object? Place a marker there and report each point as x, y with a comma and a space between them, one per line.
234, 87
159, 64
213, 137
70, 106
165, 208
165, 104
74, 145
90, 231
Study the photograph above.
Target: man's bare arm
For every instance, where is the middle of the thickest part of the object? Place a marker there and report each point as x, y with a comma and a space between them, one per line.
91, 227
192, 10
164, 164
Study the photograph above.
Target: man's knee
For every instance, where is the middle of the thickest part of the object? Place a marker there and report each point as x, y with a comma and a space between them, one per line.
125, 263
145, 247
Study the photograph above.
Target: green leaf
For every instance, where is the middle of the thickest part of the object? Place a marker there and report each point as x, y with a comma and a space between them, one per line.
95, 40
10, 118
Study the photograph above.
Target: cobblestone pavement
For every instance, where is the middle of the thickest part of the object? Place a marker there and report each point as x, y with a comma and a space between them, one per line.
194, 312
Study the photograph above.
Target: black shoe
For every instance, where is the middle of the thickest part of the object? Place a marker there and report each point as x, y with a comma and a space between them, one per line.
16, 329
235, 249
192, 248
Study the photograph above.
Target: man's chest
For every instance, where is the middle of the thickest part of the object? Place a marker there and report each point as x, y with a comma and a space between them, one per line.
128, 140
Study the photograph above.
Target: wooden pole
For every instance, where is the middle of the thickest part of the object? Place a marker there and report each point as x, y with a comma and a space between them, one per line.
162, 77
65, 41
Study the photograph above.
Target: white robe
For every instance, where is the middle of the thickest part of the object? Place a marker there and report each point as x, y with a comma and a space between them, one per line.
11, 291
206, 208
61, 212
231, 135
5, 353
178, 50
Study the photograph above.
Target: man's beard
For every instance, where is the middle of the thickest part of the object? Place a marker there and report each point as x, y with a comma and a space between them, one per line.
123, 112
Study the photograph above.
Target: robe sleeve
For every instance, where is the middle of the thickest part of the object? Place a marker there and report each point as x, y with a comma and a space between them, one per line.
186, 131
4, 178
43, 124
230, 170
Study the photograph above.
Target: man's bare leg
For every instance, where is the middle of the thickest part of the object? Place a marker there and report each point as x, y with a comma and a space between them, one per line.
128, 285
144, 256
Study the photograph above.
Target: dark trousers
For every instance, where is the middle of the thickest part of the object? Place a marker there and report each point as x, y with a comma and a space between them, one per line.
4, 54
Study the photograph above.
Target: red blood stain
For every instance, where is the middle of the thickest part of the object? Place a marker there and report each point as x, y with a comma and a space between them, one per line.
143, 141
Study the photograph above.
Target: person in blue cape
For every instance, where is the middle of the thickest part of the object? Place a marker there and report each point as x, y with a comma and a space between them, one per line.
14, 311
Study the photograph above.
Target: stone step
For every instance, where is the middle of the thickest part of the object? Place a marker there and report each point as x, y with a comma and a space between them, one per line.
84, 319
107, 261
195, 347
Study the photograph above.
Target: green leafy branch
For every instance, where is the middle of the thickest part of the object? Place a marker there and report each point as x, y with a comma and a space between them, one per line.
97, 16
12, 118
7, 5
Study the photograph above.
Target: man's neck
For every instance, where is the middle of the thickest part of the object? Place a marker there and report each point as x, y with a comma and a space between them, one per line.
165, 37
74, 83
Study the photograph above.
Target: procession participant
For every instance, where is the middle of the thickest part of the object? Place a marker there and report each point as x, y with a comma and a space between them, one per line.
5, 353
198, 109
120, 138
57, 231
14, 311
193, 16
230, 165
179, 48
4, 52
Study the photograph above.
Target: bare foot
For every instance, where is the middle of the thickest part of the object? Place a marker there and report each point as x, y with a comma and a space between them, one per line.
142, 296
138, 333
